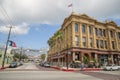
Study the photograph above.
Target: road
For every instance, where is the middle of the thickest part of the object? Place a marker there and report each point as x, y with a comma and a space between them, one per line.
105, 75
32, 71
30, 67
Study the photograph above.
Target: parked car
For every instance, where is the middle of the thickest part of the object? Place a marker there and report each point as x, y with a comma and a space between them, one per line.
111, 67
13, 65
47, 65
44, 64
41, 64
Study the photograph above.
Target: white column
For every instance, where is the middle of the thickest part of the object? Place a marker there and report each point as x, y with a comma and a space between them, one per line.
73, 56
112, 58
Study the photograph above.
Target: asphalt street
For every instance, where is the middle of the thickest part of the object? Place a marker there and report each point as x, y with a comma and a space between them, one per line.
32, 71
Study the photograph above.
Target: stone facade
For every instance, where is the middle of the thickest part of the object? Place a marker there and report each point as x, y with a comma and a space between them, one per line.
86, 38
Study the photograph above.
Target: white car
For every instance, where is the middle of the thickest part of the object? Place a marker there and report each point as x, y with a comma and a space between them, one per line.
111, 67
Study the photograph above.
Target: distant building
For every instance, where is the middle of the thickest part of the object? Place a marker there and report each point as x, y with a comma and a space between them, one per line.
9, 55
85, 37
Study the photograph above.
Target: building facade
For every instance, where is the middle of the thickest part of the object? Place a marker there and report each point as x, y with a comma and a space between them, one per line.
9, 56
86, 40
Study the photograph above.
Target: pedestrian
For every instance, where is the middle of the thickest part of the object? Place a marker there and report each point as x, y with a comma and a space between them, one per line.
81, 66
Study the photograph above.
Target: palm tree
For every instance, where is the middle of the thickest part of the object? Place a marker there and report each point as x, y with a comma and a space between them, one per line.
59, 37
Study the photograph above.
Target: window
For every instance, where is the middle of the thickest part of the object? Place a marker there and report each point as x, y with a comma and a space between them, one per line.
96, 31
97, 43
106, 44
76, 40
83, 29
91, 42
84, 41
76, 27
104, 33
101, 43
100, 32
118, 35
111, 34
90, 29
113, 44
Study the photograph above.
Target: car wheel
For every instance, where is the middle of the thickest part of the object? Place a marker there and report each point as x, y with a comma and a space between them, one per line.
118, 69
111, 69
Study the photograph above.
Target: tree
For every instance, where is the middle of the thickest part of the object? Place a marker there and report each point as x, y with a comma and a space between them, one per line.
17, 56
43, 56
24, 56
85, 59
58, 36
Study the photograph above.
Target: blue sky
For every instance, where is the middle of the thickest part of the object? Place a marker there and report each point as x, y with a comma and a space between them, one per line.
34, 21
35, 39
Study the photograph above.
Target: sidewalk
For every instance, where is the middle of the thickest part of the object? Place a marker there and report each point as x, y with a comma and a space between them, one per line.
76, 69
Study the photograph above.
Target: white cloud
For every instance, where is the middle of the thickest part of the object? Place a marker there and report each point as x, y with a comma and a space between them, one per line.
16, 30
54, 11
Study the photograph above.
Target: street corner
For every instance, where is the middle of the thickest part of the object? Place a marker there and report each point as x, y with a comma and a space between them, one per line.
2, 68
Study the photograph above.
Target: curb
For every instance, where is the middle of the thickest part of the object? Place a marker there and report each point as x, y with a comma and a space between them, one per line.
3, 68
68, 70
92, 69
73, 70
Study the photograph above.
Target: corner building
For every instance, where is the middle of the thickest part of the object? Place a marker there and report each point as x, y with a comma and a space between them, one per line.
85, 37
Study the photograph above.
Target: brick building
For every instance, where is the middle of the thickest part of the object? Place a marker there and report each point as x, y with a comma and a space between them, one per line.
84, 38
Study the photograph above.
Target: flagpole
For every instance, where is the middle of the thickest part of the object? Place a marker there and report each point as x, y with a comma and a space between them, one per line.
72, 7
3, 62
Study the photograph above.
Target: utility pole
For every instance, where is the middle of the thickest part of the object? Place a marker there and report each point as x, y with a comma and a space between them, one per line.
20, 54
3, 62
67, 52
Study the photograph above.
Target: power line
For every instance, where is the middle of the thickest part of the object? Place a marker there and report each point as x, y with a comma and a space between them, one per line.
7, 16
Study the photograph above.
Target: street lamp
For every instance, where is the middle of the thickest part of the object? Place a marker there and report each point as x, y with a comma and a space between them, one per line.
67, 57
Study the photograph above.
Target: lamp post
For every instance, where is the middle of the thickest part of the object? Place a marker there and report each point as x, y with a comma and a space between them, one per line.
67, 57
6, 47
20, 54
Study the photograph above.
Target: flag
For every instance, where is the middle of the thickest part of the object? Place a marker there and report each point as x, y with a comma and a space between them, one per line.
70, 5
13, 44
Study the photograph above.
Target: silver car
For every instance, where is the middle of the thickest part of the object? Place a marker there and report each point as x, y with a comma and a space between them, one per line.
111, 67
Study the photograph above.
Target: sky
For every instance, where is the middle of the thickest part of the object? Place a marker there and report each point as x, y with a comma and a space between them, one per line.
34, 21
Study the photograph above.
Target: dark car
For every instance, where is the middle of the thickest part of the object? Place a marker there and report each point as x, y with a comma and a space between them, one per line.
41, 64
13, 65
